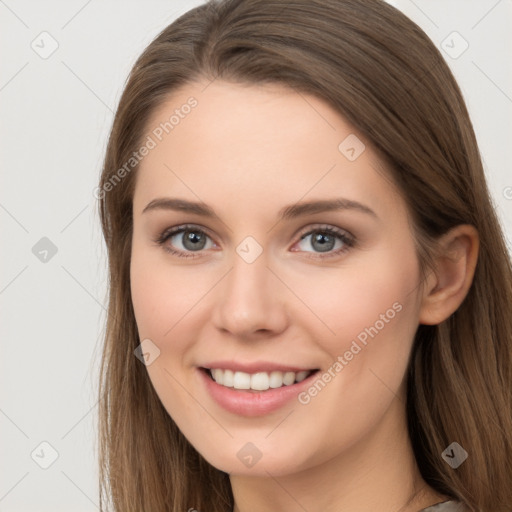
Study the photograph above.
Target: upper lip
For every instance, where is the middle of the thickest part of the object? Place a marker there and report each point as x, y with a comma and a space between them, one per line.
254, 367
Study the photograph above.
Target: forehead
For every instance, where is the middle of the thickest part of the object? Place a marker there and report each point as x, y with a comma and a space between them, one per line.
220, 139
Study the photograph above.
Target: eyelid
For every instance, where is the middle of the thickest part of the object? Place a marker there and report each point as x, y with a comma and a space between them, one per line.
166, 233
324, 227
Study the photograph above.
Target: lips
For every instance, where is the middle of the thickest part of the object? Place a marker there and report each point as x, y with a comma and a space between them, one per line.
251, 402
255, 367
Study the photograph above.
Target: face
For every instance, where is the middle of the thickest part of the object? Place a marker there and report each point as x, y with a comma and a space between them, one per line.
268, 243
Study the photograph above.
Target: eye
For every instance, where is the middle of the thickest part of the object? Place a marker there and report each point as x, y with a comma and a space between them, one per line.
183, 241
186, 239
326, 238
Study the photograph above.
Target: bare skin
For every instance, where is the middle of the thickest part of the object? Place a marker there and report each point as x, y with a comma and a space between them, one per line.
247, 152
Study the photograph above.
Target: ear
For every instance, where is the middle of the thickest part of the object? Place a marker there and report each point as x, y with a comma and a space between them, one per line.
448, 284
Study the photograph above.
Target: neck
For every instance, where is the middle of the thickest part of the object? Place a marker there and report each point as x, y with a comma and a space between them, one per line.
378, 472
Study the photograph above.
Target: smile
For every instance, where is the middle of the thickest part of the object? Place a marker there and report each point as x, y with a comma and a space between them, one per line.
254, 394
259, 381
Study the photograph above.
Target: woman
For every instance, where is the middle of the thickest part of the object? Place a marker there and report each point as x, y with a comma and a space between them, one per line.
309, 289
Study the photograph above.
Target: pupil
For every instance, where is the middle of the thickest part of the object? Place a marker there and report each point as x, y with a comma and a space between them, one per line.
326, 242
193, 238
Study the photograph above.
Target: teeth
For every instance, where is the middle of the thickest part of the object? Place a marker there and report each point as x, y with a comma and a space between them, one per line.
302, 375
276, 379
227, 378
260, 381
241, 380
218, 376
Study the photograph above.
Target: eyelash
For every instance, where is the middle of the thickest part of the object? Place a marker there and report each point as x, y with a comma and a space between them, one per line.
348, 240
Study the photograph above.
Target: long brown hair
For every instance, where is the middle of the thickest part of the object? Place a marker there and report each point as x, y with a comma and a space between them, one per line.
381, 72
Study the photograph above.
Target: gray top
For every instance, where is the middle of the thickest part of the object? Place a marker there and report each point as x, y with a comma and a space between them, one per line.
446, 506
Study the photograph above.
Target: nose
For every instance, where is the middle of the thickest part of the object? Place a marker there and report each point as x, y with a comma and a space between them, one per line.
250, 300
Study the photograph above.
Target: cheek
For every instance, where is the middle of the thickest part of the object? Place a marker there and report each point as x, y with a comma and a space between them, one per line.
367, 315
162, 294
347, 301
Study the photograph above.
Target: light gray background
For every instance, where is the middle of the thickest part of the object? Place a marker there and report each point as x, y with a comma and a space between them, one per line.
56, 113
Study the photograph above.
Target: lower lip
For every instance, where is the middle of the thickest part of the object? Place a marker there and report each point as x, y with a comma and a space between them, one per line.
249, 402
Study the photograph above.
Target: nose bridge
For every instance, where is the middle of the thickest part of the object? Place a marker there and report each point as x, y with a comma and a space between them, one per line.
250, 298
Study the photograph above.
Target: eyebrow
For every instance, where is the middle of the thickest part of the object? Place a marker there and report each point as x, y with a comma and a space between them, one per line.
288, 212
